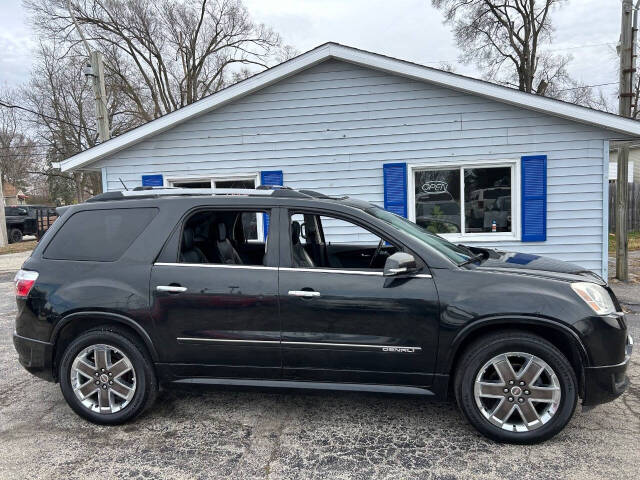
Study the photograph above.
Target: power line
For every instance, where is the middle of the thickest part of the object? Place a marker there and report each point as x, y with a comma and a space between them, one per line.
575, 47
587, 86
30, 145
2, 104
23, 154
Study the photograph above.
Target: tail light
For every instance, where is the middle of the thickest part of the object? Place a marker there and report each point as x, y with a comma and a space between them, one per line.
25, 280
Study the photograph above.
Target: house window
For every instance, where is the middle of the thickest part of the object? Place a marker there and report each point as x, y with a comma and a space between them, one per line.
248, 182
470, 201
193, 184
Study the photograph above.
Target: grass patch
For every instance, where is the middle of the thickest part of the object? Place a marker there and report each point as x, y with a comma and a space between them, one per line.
24, 246
634, 241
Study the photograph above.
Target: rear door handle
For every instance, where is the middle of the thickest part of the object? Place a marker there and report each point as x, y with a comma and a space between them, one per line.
304, 293
171, 288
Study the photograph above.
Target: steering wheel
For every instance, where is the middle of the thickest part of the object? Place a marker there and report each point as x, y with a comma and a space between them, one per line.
376, 253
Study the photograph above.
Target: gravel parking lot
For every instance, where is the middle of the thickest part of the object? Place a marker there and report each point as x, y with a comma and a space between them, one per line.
240, 433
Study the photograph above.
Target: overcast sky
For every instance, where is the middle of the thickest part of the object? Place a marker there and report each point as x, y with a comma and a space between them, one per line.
407, 29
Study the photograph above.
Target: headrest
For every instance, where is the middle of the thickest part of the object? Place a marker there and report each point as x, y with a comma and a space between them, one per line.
221, 231
295, 232
187, 239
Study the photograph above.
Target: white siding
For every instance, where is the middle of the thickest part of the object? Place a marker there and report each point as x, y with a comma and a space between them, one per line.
333, 126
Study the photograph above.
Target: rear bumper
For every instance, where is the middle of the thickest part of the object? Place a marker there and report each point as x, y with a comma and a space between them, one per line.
35, 356
604, 384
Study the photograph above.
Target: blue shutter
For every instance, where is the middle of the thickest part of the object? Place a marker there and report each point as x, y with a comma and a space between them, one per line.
534, 198
395, 188
269, 177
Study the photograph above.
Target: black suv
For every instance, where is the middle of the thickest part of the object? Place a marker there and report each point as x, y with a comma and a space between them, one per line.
279, 287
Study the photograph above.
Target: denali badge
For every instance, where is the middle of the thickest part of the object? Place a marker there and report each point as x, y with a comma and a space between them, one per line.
400, 349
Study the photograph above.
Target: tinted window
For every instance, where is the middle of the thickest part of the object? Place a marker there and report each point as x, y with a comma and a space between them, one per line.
99, 235
15, 211
224, 237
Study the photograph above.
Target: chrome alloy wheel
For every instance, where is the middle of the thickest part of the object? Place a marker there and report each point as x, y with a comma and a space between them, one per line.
517, 391
103, 378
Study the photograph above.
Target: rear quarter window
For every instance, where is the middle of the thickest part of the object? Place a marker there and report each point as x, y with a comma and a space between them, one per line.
99, 235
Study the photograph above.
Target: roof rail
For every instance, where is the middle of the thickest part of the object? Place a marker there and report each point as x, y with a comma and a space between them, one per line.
156, 192
322, 196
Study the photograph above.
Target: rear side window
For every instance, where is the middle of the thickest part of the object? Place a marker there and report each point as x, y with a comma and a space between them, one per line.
99, 235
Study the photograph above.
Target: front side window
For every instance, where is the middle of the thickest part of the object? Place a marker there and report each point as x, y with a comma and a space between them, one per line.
464, 200
222, 237
321, 241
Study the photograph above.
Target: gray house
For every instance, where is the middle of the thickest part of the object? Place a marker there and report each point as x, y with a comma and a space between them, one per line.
476, 162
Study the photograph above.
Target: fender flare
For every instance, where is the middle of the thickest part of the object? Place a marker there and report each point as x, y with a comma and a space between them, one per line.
512, 321
116, 317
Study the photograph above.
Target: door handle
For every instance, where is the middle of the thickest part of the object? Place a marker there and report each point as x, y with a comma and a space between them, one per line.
304, 293
171, 288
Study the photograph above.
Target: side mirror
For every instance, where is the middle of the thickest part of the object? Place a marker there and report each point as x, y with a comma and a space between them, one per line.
399, 263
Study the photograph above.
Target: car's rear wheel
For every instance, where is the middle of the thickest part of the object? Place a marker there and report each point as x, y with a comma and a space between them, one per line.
516, 387
15, 235
107, 378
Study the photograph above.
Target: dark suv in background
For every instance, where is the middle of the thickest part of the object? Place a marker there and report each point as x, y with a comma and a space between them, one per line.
278, 287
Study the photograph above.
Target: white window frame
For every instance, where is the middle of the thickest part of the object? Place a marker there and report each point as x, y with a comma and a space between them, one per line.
168, 182
484, 237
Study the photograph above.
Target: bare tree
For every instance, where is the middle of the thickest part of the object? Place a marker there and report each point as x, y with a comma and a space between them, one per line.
580, 94
505, 39
18, 151
63, 118
164, 54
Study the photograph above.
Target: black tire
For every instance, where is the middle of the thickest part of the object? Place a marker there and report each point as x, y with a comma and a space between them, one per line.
146, 383
488, 347
15, 235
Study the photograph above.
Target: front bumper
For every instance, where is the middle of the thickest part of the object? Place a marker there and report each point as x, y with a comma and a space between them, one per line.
35, 356
604, 384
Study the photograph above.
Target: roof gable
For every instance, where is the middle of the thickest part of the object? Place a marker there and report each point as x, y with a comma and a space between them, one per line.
362, 58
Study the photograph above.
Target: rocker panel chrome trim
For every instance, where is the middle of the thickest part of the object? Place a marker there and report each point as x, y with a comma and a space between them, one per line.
386, 348
351, 387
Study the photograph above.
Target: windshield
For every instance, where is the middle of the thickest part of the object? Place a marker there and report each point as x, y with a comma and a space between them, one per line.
453, 252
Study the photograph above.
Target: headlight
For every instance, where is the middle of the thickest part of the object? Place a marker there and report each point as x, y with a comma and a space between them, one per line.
595, 296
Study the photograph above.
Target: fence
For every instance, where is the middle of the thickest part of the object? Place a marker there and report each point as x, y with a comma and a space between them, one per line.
633, 213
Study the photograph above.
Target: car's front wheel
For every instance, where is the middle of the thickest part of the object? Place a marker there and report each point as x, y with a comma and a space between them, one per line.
107, 378
516, 387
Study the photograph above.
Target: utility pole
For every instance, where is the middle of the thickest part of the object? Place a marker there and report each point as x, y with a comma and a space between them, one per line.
95, 70
627, 70
97, 78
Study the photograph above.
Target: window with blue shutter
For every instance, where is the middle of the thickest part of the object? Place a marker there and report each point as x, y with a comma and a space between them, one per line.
534, 198
269, 177
395, 188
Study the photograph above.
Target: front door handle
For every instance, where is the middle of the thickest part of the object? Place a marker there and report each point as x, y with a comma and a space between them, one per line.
304, 293
171, 288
